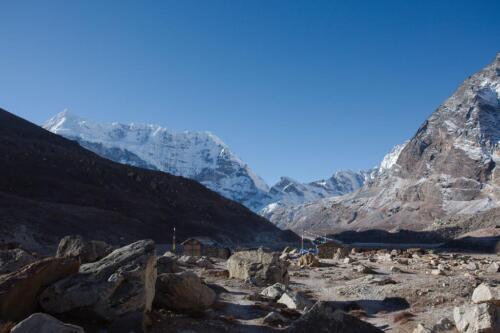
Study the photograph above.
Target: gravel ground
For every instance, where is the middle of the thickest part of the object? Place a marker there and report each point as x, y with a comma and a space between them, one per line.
399, 292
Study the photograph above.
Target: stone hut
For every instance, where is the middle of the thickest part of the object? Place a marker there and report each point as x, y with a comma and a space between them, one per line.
204, 246
328, 249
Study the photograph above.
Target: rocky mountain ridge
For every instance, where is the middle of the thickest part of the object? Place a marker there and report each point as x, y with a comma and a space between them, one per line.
445, 177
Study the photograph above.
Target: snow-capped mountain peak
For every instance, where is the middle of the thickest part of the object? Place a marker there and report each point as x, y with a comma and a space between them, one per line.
197, 155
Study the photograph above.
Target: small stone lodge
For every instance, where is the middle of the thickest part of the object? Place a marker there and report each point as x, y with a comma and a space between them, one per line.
327, 249
204, 246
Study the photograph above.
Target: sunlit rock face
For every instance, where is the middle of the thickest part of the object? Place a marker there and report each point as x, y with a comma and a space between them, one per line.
445, 176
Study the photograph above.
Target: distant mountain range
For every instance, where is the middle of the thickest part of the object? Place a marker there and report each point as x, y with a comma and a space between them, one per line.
444, 178
200, 156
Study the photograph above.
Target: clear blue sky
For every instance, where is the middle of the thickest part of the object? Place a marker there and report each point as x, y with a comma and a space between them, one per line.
296, 88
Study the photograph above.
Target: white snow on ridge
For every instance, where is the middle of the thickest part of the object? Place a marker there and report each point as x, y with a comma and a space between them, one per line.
204, 157
391, 158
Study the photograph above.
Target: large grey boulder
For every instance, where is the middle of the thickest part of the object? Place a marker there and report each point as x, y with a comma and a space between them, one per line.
477, 318
486, 293
183, 292
325, 318
43, 323
259, 267
13, 259
84, 250
121, 284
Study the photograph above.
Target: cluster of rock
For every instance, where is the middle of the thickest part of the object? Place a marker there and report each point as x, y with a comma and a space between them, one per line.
88, 281
420, 259
123, 289
266, 268
118, 287
481, 316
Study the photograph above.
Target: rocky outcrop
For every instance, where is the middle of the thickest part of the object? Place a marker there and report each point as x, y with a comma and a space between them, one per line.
13, 259
19, 290
43, 323
183, 292
82, 249
120, 284
258, 267
323, 317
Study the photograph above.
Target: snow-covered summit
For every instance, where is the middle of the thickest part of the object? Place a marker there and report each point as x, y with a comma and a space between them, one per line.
198, 155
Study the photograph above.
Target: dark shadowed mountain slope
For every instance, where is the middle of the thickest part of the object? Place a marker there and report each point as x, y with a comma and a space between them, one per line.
51, 186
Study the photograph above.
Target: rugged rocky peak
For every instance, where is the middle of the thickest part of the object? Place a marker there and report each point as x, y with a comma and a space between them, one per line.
461, 137
445, 177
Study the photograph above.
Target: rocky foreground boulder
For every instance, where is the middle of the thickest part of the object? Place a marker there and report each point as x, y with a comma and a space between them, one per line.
19, 290
477, 318
258, 267
323, 317
84, 250
183, 292
43, 323
483, 315
119, 285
